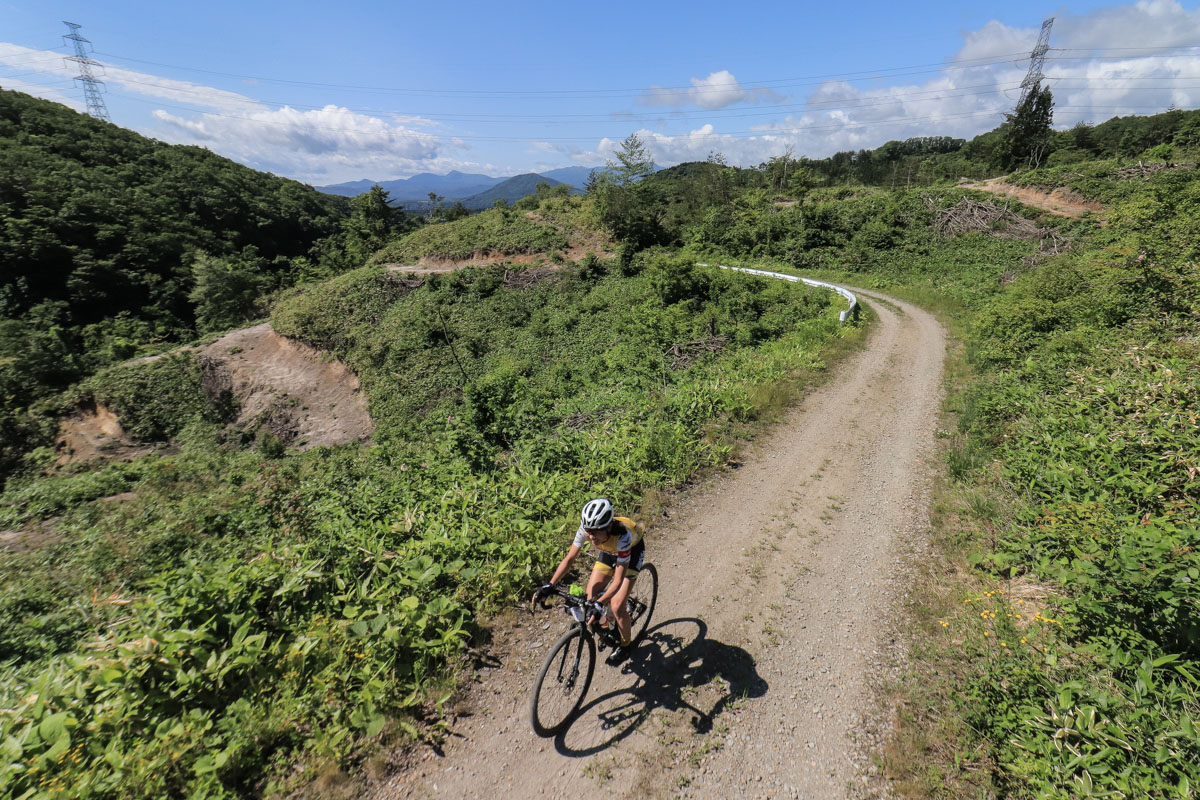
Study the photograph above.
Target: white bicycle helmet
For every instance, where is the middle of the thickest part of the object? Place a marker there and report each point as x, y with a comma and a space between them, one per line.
596, 514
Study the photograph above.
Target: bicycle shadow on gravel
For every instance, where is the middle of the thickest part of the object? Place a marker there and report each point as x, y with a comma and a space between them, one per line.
677, 669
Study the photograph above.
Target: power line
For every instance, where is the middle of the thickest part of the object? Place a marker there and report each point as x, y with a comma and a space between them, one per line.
896, 97
508, 93
881, 98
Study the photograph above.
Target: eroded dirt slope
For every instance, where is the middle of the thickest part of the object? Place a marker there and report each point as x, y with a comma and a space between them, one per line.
306, 397
1062, 202
780, 584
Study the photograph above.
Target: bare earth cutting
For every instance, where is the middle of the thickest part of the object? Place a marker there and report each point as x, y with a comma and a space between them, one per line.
307, 398
1062, 202
95, 432
304, 397
777, 616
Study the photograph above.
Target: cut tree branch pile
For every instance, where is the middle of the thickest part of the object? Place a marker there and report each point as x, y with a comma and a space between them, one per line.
684, 354
525, 278
1143, 170
973, 216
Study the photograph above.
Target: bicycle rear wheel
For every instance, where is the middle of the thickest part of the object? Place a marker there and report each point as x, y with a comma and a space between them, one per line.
562, 682
641, 600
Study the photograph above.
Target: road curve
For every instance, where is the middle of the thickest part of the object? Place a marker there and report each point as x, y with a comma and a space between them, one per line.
780, 582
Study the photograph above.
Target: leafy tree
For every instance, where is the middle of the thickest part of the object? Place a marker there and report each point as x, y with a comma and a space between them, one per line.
633, 162
371, 222
228, 290
455, 212
717, 185
1163, 151
1026, 139
628, 204
802, 179
1082, 135
435, 204
1188, 133
778, 169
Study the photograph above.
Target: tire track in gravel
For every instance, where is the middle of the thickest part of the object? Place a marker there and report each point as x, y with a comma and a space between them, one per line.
779, 586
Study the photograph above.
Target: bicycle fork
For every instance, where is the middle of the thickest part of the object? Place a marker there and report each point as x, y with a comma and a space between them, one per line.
573, 675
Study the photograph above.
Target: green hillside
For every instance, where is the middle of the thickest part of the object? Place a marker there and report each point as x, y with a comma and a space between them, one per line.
100, 227
510, 190
115, 245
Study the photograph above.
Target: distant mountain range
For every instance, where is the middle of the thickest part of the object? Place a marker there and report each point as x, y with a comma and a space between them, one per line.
475, 191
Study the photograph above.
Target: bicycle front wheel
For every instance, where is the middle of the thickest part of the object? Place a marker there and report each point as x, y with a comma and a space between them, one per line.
562, 682
641, 600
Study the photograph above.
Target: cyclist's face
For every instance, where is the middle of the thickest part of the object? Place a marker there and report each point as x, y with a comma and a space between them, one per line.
600, 535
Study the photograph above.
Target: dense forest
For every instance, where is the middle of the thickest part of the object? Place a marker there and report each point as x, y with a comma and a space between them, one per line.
200, 620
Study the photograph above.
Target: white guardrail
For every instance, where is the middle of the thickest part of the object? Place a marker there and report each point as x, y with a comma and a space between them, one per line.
762, 273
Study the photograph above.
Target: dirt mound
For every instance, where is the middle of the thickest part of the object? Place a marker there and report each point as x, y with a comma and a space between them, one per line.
1062, 202
301, 395
92, 432
33, 537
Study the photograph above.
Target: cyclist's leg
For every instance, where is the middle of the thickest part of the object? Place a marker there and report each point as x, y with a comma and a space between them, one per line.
598, 580
620, 609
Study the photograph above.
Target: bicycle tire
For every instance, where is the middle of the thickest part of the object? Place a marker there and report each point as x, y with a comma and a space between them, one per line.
642, 599
562, 682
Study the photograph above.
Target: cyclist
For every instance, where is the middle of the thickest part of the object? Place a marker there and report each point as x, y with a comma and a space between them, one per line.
620, 553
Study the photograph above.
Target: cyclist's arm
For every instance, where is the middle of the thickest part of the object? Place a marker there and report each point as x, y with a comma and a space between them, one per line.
564, 566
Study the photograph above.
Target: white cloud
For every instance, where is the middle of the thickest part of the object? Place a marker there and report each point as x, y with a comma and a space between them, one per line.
179, 91
326, 145
322, 146
718, 90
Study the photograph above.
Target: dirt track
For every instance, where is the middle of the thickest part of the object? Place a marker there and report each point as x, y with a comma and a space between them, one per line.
776, 609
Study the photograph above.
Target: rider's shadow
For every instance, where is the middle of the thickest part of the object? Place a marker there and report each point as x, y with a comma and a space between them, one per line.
677, 668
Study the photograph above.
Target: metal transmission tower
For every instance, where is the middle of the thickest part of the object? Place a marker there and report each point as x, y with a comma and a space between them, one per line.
1036, 59
91, 85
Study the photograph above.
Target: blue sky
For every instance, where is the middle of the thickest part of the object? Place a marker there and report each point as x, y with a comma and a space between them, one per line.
328, 92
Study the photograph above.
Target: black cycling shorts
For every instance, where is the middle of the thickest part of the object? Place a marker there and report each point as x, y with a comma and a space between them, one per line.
606, 562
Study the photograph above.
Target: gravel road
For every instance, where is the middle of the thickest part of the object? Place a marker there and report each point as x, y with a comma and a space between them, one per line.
777, 610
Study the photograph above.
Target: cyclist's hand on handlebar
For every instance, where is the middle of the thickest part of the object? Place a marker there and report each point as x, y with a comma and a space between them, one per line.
594, 609
541, 594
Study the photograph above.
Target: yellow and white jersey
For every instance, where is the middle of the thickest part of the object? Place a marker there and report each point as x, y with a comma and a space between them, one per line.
623, 537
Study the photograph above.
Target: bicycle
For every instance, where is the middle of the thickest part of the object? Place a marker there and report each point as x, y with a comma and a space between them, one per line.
567, 672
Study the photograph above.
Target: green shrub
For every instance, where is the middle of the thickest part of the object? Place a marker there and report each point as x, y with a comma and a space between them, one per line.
156, 399
496, 231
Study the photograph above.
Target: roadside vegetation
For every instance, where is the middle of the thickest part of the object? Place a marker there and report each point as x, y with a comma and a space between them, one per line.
1070, 644
202, 620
